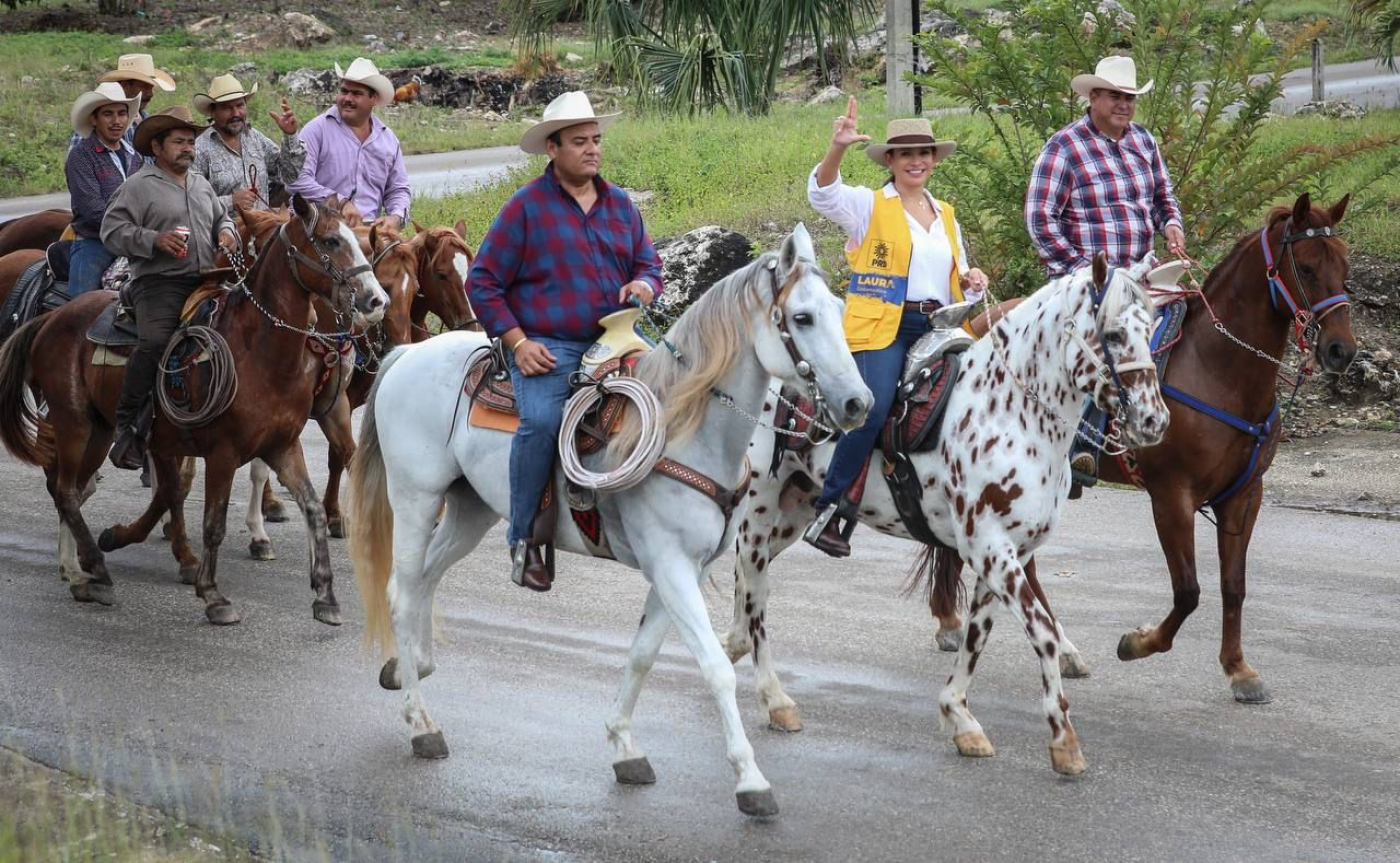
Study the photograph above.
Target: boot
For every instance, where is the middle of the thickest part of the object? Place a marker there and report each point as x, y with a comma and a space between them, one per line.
129, 449
531, 567
1083, 472
825, 533
134, 411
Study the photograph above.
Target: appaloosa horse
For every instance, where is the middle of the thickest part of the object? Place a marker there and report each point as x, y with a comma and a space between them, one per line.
993, 486
35, 231
315, 253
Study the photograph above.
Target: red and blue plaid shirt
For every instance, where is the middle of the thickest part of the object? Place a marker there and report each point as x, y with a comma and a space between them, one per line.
1089, 193
551, 269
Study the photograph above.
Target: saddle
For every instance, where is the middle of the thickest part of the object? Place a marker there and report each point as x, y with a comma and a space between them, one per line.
41, 288
115, 328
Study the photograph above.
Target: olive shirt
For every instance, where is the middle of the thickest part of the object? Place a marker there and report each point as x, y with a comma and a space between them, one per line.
151, 203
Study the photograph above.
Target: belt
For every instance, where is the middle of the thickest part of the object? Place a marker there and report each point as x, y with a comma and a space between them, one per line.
923, 307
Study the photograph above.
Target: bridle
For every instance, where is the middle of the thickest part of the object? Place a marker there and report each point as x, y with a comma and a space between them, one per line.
1306, 316
804, 369
296, 258
1110, 370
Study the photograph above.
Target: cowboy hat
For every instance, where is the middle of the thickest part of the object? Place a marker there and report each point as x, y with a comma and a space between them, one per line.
140, 67
102, 94
364, 72
1165, 276
174, 117
1112, 73
899, 134
567, 109
224, 88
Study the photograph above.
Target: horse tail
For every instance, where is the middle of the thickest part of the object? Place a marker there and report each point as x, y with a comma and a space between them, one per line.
372, 540
938, 569
19, 416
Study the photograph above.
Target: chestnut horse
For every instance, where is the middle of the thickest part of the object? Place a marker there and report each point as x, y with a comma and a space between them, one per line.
444, 259
13, 265
34, 231
261, 324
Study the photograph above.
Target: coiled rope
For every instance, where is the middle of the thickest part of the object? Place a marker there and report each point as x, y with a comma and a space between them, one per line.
639, 463
223, 378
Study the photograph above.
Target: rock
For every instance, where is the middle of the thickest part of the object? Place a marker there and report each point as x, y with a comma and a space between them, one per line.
1126, 19
205, 24
492, 117
245, 68
571, 57
139, 40
1318, 470
694, 261
1365, 496
308, 82
640, 196
27, 80
305, 30
1346, 422
378, 47
1338, 109
967, 40
1381, 356
830, 94
933, 21
997, 18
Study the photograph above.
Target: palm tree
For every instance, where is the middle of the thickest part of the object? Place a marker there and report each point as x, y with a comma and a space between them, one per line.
1378, 21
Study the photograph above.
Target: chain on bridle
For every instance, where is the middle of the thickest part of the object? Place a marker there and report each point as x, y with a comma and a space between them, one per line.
340, 279
1306, 316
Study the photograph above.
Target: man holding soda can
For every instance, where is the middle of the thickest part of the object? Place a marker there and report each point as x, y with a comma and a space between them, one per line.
167, 220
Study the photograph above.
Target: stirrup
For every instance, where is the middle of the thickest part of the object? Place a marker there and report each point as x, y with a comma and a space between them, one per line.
814, 530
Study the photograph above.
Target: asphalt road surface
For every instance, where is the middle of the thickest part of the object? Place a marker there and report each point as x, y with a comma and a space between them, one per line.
277, 731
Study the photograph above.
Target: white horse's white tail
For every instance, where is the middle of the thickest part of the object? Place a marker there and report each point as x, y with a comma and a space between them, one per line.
372, 540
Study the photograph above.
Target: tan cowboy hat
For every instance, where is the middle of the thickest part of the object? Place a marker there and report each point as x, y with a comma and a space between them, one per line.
103, 94
1165, 276
1112, 73
364, 72
140, 67
174, 117
567, 109
916, 132
224, 88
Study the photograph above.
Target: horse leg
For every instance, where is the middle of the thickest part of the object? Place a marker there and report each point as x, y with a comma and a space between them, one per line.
677, 582
273, 509
782, 712
630, 764
218, 481
71, 483
174, 478
1072, 665
1242, 509
68, 567
290, 465
259, 543
336, 427
943, 603
953, 711
1176, 532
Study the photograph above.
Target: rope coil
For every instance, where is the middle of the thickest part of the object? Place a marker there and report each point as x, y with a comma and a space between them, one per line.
223, 378
638, 464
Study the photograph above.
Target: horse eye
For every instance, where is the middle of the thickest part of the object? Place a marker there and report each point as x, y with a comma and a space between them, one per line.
802, 319
1307, 271
1113, 338
441, 275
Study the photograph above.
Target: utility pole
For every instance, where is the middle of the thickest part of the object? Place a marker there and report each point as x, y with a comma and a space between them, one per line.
902, 98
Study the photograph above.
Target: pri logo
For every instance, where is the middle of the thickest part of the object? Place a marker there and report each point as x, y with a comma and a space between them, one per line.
880, 255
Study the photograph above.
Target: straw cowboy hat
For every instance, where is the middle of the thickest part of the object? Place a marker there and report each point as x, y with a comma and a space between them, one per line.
140, 67
364, 72
899, 134
224, 88
567, 109
1112, 73
174, 117
104, 94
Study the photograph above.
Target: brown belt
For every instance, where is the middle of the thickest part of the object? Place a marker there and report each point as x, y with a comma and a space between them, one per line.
923, 307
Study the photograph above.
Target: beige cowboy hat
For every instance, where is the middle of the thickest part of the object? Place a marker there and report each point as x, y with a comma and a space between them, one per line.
1112, 73
103, 94
224, 88
916, 132
567, 109
174, 117
1165, 276
140, 67
364, 72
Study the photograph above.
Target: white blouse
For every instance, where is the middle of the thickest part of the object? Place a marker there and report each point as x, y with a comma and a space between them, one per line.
931, 262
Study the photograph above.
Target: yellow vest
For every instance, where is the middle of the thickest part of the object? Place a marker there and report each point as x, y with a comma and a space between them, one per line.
880, 274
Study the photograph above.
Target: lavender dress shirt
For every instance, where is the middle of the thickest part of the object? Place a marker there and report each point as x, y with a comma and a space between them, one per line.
371, 173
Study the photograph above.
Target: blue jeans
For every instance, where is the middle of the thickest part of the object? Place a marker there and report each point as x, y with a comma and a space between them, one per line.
540, 400
881, 370
89, 260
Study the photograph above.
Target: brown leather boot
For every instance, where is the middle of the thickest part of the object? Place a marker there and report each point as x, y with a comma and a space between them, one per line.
530, 567
129, 450
825, 534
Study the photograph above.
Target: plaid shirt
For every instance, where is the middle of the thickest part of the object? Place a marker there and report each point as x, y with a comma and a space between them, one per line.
551, 269
1090, 193
93, 176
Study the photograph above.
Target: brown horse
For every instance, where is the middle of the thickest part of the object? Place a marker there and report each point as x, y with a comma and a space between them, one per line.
12, 266
317, 255
1204, 460
444, 259
35, 231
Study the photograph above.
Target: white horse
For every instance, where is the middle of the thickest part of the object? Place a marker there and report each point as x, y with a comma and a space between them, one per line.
993, 487
775, 317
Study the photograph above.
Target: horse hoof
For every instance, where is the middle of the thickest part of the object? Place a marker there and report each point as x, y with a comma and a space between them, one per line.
1068, 761
165, 532
81, 591
1072, 666
188, 574
973, 744
757, 804
949, 640
389, 675
336, 527
275, 514
432, 745
634, 771
787, 719
261, 549
326, 612
223, 615
107, 541
1252, 690
1130, 645
102, 594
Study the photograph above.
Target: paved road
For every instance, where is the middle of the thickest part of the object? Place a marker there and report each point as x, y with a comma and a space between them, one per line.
431, 174
1366, 82
280, 719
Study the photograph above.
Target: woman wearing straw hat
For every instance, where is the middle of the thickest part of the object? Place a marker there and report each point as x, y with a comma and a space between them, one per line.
100, 163
907, 258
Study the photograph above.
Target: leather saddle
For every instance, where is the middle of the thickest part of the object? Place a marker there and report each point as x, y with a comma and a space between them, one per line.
41, 288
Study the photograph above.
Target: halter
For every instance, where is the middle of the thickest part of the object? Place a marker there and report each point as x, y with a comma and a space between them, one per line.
295, 256
1305, 323
1110, 371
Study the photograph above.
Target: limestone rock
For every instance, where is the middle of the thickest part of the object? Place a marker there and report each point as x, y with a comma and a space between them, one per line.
306, 30
830, 94
694, 261
309, 82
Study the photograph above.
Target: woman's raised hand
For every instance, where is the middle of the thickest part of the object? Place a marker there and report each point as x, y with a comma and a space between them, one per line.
845, 134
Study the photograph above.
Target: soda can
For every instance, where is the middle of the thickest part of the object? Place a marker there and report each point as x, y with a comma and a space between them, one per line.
184, 233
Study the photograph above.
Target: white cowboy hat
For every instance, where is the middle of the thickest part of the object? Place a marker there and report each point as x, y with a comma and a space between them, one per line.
364, 72
224, 88
1112, 73
899, 134
140, 67
110, 93
567, 109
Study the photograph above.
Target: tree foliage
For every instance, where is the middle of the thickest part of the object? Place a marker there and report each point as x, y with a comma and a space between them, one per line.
1378, 23
1215, 75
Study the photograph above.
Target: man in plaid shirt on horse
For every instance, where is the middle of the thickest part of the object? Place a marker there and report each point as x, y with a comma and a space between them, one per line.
1100, 185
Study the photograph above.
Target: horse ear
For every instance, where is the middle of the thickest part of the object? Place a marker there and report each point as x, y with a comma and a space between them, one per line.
303, 208
1302, 208
460, 228
417, 228
1339, 209
333, 202
798, 245
1100, 269
374, 237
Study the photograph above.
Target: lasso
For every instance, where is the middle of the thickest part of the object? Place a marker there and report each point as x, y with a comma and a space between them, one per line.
223, 378
639, 463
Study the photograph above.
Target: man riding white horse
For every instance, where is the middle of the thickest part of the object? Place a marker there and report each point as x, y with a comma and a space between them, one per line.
567, 249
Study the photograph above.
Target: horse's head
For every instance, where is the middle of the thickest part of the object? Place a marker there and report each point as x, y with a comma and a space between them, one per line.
396, 269
802, 341
444, 259
1307, 266
326, 260
1115, 366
